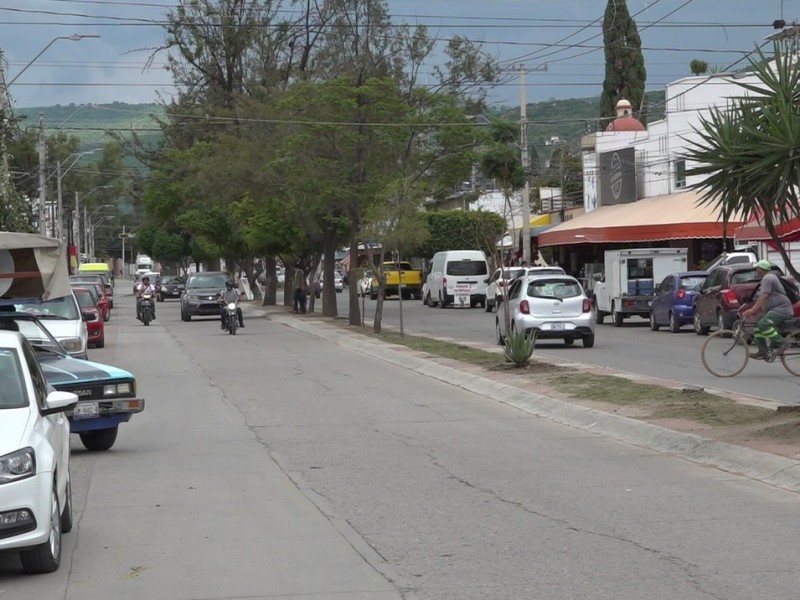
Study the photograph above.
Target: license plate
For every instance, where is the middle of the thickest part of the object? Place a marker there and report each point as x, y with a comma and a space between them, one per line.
86, 410
461, 300
556, 326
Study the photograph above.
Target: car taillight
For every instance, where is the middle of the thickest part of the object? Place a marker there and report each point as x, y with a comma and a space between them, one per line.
524, 308
587, 305
730, 297
680, 294
444, 282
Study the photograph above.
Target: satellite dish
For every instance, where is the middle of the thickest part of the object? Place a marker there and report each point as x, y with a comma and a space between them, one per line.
7, 271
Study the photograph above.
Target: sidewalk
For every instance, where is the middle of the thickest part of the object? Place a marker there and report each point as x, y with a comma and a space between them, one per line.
762, 466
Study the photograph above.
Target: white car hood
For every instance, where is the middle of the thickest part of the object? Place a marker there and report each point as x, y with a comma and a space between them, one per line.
61, 329
13, 423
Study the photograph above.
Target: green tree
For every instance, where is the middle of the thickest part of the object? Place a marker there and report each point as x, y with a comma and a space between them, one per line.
461, 230
698, 67
625, 72
746, 154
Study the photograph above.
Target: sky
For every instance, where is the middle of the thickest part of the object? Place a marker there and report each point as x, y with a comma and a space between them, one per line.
564, 35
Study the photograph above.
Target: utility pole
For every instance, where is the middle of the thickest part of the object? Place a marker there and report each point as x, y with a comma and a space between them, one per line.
42, 176
59, 229
76, 227
5, 112
124, 236
526, 191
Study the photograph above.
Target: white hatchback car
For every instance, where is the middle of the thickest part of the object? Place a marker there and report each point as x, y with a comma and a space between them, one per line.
549, 306
35, 492
501, 278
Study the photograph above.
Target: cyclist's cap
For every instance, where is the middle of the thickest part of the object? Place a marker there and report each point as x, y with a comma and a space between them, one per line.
763, 265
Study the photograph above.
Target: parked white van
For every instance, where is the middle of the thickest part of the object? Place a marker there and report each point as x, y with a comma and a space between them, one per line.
457, 277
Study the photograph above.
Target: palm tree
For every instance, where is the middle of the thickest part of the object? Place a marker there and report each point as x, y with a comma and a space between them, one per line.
749, 153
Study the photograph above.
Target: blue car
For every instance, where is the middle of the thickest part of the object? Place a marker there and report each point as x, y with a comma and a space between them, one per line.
106, 394
673, 298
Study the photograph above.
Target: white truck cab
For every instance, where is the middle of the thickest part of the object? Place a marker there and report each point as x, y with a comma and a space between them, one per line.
629, 281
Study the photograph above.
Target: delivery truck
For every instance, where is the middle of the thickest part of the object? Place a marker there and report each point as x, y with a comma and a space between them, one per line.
629, 280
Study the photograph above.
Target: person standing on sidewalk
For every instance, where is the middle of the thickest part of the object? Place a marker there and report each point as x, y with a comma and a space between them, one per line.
299, 295
775, 307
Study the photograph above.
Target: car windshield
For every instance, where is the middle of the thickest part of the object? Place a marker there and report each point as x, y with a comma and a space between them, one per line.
744, 277
85, 298
34, 332
692, 282
466, 267
554, 288
56, 308
12, 392
216, 280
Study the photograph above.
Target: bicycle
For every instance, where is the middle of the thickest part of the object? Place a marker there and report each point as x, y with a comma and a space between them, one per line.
725, 352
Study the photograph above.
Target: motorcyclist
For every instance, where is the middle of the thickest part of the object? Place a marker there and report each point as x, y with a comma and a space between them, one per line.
226, 296
144, 287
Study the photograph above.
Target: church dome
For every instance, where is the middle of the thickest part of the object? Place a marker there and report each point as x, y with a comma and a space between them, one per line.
625, 120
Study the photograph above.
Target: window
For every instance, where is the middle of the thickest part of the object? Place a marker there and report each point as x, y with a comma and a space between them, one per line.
692, 282
680, 173
466, 267
553, 288
640, 268
12, 391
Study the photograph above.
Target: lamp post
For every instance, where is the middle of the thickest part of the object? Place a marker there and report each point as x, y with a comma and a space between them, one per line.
92, 226
76, 217
59, 221
42, 147
87, 227
75, 37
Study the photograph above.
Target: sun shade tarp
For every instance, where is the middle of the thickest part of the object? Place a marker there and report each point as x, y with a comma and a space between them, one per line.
32, 266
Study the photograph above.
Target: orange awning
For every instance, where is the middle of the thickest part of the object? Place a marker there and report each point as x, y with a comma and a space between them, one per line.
658, 218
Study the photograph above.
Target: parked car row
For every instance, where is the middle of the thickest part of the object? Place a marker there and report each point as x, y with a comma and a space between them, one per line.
49, 391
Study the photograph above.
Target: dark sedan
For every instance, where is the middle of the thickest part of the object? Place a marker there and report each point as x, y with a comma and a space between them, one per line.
722, 294
674, 298
201, 297
172, 286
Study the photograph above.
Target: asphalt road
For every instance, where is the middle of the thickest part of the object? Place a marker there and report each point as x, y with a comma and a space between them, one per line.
632, 348
277, 464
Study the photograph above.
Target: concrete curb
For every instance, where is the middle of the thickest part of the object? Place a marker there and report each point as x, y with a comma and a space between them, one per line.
768, 468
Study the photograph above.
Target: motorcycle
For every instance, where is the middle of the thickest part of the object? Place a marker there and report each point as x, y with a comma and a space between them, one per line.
146, 309
231, 317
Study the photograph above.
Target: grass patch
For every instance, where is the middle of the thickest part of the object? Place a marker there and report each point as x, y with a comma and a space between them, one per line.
452, 350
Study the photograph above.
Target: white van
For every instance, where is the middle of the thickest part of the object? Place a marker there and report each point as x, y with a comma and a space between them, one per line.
457, 277
144, 264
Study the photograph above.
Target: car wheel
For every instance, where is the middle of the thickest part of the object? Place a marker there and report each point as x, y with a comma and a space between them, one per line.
653, 324
46, 557
66, 513
498, 334
588, 340
598, 315
699, 328
674, 324
99, 439
616, 317
101, 343
720, 320
441, 301
185, 316
569, 341
488, 306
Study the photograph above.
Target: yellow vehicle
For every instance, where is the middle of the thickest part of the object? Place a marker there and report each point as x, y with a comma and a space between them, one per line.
392, 272
94, 268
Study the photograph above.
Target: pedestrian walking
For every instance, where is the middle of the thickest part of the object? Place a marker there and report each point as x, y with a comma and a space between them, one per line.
299, 295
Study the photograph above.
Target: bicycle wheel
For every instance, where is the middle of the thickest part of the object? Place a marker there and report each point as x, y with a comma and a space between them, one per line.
724, 353
791, 356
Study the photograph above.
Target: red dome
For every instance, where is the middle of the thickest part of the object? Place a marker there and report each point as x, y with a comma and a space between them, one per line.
625, 124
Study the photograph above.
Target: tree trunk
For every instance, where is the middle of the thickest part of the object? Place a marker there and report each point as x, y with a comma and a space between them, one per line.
329, 308
288, 280
353, 283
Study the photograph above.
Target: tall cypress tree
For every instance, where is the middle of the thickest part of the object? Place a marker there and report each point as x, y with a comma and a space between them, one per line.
625, 72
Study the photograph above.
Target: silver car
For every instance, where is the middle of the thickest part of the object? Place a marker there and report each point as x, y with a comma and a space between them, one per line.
501, 277
549, 306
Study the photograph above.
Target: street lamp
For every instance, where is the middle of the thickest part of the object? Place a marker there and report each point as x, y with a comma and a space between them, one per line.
92, 239
76, 220
75, 37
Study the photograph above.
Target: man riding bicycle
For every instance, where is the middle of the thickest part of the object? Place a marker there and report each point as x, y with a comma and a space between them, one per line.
775, 307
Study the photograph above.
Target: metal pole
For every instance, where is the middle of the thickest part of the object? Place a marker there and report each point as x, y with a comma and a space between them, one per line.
76, 227
59, 206
42, 179
526, 191
124, 235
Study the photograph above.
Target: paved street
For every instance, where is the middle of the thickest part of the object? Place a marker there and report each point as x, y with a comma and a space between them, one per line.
632, 348
280, 464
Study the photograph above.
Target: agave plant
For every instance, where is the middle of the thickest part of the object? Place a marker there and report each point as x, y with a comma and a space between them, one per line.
519, 347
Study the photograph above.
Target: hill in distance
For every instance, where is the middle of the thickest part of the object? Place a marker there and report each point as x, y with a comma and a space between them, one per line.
567, 119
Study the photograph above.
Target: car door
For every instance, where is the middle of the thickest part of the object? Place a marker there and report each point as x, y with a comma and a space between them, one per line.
661, 300
706, 300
